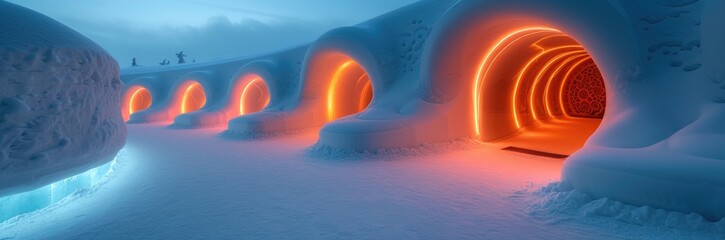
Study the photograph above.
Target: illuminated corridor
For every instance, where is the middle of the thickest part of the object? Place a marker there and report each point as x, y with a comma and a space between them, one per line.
538, 89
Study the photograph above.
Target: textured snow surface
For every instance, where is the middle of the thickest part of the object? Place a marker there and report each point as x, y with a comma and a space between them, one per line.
559, 202
191, 184
59, 98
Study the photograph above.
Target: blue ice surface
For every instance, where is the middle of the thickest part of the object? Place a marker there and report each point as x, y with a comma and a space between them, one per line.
25, 202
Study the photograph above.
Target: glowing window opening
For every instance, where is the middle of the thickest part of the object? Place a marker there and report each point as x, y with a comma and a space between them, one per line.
264, 94
354, 88
331, 90
189, 96
139, 93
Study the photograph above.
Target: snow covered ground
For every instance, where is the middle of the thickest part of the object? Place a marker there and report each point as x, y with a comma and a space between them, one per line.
191, 184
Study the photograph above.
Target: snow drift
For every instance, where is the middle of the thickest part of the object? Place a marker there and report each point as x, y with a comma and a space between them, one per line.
632, 90
59, 98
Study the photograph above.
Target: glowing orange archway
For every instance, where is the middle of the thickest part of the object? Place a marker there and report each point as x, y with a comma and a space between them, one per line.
533, 76
193, 98
254, 97
136, 99
349, 91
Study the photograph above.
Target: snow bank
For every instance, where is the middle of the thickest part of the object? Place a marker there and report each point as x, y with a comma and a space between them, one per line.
59, 98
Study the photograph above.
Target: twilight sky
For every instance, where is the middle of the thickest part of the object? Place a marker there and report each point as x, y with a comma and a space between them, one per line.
152, 30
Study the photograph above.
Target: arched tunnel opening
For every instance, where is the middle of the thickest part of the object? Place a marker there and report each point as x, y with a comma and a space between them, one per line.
254, 96
136, 99
349, 91
193, 98
537, 90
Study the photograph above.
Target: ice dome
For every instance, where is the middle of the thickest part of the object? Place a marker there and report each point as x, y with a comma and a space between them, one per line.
59, 98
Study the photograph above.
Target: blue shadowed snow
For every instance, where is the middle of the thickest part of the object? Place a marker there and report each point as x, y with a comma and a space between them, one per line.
17, 204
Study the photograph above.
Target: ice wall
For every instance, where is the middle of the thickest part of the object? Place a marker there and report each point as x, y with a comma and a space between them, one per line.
59, 98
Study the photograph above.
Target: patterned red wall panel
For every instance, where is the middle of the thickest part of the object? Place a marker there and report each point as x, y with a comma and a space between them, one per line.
585, 95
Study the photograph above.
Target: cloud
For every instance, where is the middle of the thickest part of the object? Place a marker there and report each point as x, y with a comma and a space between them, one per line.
238, 9
154, 30
218, 38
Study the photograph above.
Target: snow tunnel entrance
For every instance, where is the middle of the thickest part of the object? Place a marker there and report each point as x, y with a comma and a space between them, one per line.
538, 90
350, 90
193, 98
137, 99
254, 96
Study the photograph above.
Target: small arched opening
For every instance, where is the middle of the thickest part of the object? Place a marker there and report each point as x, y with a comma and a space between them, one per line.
136, 99
254, 96
193, 97
349, 91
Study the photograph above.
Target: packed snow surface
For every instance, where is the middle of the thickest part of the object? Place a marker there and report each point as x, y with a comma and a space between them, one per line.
193, 184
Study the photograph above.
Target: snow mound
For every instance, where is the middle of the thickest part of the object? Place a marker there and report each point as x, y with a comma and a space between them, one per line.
59, 98
560, 202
